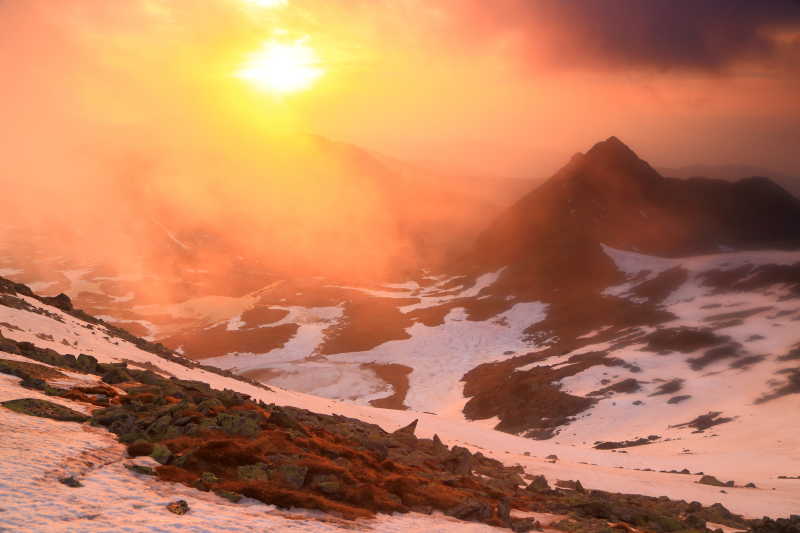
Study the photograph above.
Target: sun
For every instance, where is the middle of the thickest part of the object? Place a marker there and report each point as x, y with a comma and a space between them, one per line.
283, 67
269, 3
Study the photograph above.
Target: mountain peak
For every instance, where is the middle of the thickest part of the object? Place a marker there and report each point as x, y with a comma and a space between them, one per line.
612, 161
612, 147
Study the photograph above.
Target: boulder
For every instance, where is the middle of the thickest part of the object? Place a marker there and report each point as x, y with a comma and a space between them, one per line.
141, 469
711, 480
44, 409
538, 484
570, 485
439, 447
86, 363
459, 461
328, 484
524, 525
281, 418
179, 507
161, 454
116, 375
228, 495
209, 478
256, 472
293, 476
471, 510
70, 481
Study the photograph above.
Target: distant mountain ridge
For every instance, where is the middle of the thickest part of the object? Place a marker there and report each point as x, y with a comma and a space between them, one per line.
566, 308
612, 196
733, 173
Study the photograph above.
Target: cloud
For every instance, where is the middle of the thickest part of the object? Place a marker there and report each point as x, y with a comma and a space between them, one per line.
707, 35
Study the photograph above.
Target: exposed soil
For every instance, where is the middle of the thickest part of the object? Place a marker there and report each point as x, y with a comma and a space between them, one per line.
790, 386
262, 375
744, 363
660, 287
713, 355
682, 339
213, 342
626, 386
529, 400
679, 399
133, 327
793, 355
44, 409
748, 278
703, 422
734, 315
261, 316
8, 366
396, 376
670, 387
612, 445
367, 323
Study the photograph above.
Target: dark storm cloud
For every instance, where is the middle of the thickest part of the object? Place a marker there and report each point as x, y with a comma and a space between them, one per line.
661, 34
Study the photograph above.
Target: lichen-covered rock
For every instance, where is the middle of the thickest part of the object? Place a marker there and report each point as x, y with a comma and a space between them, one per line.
524, 525
255, 472
44, 409
438, 446
160, 428
538, 484
140, 448
711, 480
179, 507
235, 424
116, 375
86, 363
570, 485
228, 495
280, 417
459, 461
211, 406
781, 525
70, 481
471, 510
141, 469
209, 478
161, 454
407, 434
292, 475
327, 483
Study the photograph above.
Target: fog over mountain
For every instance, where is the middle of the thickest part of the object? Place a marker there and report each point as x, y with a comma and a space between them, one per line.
400, 266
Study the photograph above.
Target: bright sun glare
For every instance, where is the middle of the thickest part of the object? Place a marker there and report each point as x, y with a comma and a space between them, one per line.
283, 67
269, 3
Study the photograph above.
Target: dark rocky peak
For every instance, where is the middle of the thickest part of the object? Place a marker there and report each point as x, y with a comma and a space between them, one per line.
609, 195
611, 165
612, 148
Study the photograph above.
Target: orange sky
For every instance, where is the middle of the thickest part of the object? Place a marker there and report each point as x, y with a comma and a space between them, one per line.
120, 112
477, 86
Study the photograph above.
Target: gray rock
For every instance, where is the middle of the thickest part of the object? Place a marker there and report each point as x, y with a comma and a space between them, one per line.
538, 484
70, 481
179, 507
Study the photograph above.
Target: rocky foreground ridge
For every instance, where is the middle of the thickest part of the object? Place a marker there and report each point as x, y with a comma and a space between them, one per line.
226, 442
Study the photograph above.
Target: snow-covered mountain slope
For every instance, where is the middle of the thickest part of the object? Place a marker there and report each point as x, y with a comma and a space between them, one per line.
547, 322
550, 330
737, 454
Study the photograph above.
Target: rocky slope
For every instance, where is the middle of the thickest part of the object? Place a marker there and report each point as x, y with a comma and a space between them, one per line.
234, 447
578, 306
